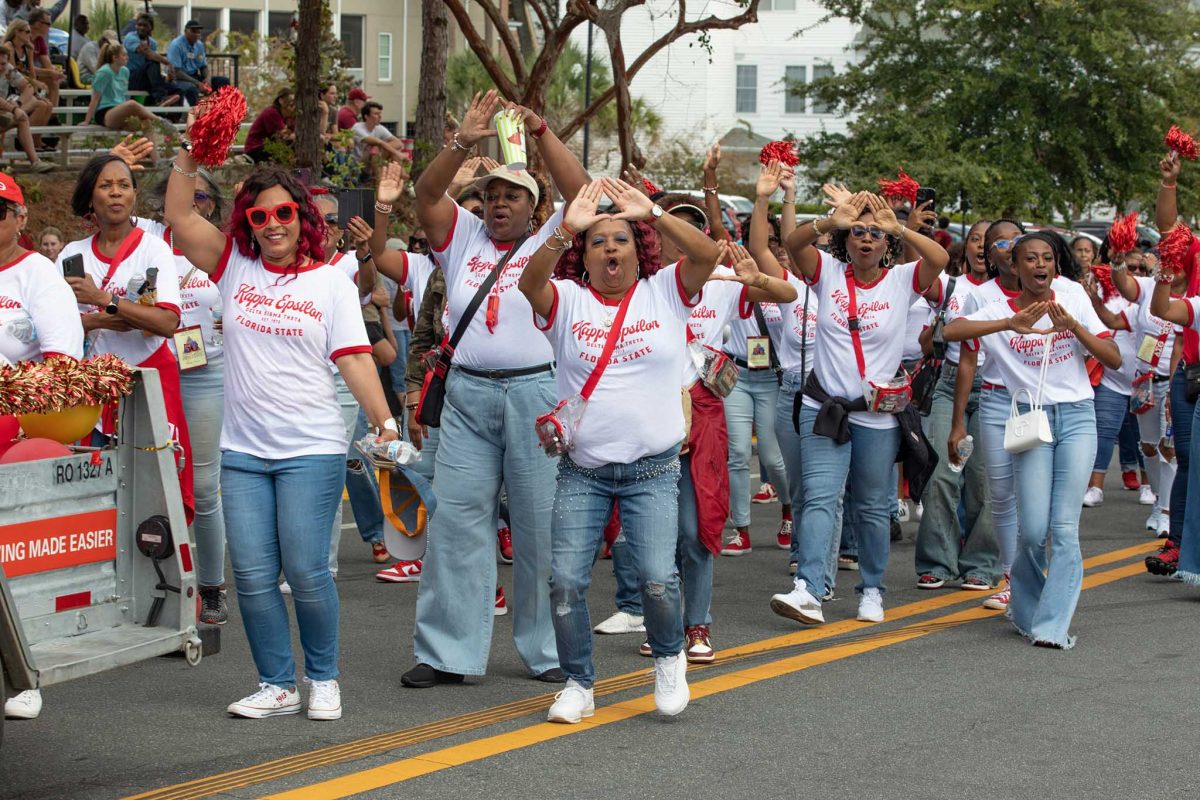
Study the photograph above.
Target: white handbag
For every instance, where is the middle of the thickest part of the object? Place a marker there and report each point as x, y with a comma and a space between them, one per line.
1026, 431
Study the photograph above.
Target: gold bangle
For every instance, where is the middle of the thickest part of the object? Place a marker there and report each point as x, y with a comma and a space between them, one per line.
546, 244
817, 230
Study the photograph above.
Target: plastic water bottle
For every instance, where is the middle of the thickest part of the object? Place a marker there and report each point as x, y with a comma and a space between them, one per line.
387, 454
217, 338
965, 448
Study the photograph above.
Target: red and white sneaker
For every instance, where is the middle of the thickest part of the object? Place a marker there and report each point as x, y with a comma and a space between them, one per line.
379, 552
401, 572
783, 539
698, 645
739, 545
765, 494
504, 539
501, 604
1130, 479
999, 601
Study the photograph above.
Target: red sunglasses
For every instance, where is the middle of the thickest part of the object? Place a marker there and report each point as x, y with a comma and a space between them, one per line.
284, 213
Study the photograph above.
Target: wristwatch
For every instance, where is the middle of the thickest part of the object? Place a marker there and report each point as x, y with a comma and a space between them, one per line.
656, 213
111, 307
366, 258
389, 424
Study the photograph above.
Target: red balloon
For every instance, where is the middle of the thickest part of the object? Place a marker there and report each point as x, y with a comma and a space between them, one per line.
9, 427
34, 450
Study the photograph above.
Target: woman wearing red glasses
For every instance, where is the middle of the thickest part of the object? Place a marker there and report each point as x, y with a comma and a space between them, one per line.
287, 315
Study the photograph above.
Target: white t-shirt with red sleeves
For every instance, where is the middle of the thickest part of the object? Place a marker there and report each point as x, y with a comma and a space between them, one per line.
467, 256
1146, 324
918, 319
795, 336
746, 325
1121, 380
964, 287
417, 269
132, 347
720, 302
1017, 358
636, 408
882, 316
281, 333
983, 296
198, 295
38, 317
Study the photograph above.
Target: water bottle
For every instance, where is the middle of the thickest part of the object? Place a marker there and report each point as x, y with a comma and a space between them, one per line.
217, 338
387, 455
965, 448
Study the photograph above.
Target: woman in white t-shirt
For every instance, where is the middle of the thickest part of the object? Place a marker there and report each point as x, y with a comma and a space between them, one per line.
283, 446
202, 386
625, 440
128, 297
1046, 333
502, 377
839, 436
37, 318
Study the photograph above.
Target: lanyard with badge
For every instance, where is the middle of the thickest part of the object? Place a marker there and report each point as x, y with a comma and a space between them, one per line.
189, 341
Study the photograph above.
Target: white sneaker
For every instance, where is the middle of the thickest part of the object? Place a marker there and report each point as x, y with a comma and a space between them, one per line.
870, 605
268, 701
1152, 520
670, 684
1147, 497
324, 700
919, 510
24, 705
1164, 524
1093, 497
622, 622
571, 704
903, 515
798, 604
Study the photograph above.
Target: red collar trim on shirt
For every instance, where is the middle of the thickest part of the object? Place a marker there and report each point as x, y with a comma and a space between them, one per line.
604, 300
16, 260
336, 258
503, 247
96, 251
277, 269
971, 280
1006, 292
170, 242
883, 273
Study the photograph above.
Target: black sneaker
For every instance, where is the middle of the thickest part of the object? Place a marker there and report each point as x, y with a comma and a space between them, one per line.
423, 676
896, 532
213, 608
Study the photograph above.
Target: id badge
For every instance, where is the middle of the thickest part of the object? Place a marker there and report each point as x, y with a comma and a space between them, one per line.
758, 352
1145, 351
189, 348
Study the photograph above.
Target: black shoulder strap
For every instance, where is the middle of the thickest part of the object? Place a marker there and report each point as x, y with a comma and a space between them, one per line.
762, 329
465, 320
939, 322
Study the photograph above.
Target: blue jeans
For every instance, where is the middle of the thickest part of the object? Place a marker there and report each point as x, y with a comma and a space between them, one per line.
867, 461
692, 559
1182, 413
789, 446
487, 437
1111, 409
1189, 552
995, 406
1051, 480
1129, 455
942, 548
749, 409
647, 495
277, 515
203, 394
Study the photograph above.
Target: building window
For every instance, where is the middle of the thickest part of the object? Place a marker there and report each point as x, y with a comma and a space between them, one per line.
794, 98
385, 57
747, 89
169, 20
243, 22
822, 71
209, 19
352, 40
279, 24
777, 5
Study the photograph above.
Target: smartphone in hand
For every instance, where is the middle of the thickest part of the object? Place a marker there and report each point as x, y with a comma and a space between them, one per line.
73, 266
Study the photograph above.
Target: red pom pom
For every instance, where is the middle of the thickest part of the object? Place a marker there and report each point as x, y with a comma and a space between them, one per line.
783, 152
219, 116
1182, 143
904, 186
1123, 235
1173, 249
651, 188
1103, 273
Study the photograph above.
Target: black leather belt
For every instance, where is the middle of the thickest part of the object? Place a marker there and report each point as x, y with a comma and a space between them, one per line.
501, 374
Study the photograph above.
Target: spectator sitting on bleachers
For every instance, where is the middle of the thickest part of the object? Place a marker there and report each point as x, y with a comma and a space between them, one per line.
21, 9
190, 61
15, 94
371, 138
110, 105
348, 115
79, 37
145, 67
272, 123
89, 55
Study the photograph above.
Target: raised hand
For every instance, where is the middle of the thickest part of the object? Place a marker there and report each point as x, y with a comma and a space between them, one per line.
635, 179
769, 178
847, 214
392, 179
488, 163
1023, 321
787, 180
633, 204
131, 150
477, 122
1169, 168
745, 268
581, 214
836, 194
1061, 318
360, 232
532, 119
466, 173
885, 217
921, 217
712, 159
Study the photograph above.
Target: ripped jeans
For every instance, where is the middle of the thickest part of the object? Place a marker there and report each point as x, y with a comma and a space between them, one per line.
647, 494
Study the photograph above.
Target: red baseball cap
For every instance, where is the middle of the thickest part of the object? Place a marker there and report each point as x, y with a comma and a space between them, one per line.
10, 191
358, 94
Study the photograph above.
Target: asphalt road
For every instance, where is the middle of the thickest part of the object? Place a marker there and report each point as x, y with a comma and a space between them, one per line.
941, 700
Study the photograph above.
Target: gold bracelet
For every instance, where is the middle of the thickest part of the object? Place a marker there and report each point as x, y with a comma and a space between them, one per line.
546, 244
817, 230
383, 208
175, 167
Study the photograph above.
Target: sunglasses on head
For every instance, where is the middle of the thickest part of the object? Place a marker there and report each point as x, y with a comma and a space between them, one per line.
859, 231
284, 214
331, 220
1005, 244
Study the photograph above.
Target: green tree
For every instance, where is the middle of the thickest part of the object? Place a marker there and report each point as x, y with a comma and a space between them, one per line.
1031, 107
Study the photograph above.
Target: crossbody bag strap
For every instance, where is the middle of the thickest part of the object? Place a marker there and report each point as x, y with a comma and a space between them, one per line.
939, 323
804, 338
610, 343
772, 356
852, 322
1042, 372
124, 249
464, 321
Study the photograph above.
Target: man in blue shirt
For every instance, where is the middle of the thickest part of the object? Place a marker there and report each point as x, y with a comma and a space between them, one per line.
146, 63
188, 59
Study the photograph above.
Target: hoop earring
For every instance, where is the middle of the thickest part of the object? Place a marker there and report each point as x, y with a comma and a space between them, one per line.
587, 278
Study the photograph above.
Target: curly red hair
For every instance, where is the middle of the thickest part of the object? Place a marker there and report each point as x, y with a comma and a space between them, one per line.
312, 223
645, 239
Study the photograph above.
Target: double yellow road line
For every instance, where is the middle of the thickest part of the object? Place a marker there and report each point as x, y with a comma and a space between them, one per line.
407, 768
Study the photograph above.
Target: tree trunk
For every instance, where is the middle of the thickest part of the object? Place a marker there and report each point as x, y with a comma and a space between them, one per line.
431, 91
308, 69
